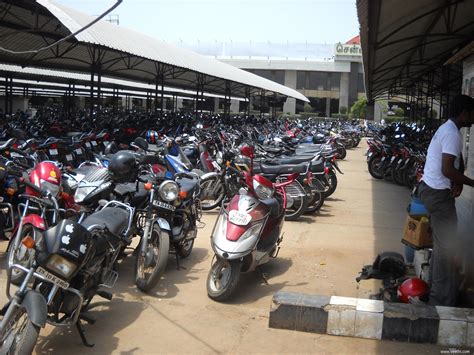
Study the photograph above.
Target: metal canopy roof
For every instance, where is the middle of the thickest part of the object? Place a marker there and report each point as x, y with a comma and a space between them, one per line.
405, 43
116, 52
44, 77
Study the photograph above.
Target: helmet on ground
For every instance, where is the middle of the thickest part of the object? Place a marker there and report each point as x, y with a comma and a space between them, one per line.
123, 167
413, 288
151, 136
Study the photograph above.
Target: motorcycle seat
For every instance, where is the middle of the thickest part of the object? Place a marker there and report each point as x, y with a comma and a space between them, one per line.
297, 159
283, 169
115, 219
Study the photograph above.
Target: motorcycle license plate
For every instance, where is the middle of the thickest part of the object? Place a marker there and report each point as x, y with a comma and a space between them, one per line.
239, 218
369, 154
94, 143
166, 206
52, 278
53, 151
78, 151
88, 145
68, 157
391, 160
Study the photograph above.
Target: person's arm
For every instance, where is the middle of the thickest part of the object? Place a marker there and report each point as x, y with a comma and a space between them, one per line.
448, 170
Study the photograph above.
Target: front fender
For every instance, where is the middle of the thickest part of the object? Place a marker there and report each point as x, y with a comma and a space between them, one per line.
36, 307
35, 220
163, 224
208, 175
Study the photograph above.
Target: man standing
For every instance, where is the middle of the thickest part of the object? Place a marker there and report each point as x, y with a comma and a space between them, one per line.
442, 181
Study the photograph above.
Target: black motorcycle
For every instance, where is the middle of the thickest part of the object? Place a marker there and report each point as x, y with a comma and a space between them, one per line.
72, 262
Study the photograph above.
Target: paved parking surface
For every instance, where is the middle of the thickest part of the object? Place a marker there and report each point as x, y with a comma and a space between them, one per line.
320, 254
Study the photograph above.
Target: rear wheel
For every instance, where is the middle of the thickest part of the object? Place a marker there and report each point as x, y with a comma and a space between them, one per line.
331, 184
223, 279
375, 166
185, 249
341, 152
212, 193
151, 266
316, 202
296, 201
20, 334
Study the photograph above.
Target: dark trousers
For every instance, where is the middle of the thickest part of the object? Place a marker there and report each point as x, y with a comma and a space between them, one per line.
442, 208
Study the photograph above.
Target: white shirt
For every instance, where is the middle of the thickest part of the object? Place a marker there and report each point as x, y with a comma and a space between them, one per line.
447, 140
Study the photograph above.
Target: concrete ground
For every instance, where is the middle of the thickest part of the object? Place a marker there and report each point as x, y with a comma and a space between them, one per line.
321, 254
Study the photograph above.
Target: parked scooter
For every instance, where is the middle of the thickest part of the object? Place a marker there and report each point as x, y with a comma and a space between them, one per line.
247, 231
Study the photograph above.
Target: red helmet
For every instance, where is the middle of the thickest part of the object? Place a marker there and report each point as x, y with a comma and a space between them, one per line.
47, 177
413, 288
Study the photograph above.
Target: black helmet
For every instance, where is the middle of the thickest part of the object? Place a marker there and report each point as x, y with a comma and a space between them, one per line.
123, 167
140, 143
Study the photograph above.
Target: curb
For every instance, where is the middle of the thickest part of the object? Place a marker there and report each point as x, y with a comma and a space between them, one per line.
373, 319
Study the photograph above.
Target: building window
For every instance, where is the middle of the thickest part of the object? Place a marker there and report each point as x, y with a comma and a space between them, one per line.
335, 81
301, 80
279, 76
360, 83
318, 80
267, 74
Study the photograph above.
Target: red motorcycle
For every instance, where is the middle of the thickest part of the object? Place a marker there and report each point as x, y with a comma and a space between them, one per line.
247, 232
39, 210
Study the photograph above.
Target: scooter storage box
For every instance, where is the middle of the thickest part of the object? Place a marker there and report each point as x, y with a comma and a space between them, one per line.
417, 232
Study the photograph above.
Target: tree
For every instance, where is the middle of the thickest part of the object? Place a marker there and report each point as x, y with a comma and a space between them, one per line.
359, 108
307, 107
399, 112
343, 110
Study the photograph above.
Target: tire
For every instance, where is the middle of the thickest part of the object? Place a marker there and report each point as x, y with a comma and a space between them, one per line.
316, 202
19, 254
185, 249
209, 183
296, 201
341, 152
25, 338
374, 165
332, 184
397, 175
160, 240
215, 289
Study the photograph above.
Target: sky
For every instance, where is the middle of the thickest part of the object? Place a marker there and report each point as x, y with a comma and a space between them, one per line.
277, 21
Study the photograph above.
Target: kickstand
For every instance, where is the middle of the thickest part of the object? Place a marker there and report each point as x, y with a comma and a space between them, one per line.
80, 329
178, 267
264, 275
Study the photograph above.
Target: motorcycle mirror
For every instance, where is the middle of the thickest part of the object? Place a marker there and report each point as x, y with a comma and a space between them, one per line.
248, 151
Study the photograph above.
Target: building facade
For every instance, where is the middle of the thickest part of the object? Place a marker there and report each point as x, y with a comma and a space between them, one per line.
332, 81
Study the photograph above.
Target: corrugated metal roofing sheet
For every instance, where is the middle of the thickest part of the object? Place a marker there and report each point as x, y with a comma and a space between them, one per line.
125, 40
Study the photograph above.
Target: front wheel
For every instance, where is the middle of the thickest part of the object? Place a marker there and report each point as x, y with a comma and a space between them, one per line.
331, 183
223, 279
212, 192
316, 202
150, 267
20, 334
341, 152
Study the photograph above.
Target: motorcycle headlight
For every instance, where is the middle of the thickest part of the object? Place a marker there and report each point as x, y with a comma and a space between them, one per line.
60, 266
262, 192
168, 190
82, 192
253, 231
49, 187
